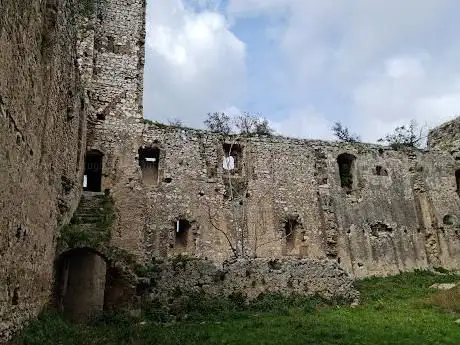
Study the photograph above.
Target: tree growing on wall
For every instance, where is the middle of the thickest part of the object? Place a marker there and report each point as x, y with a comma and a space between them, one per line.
248, 124
406, 136
343, 134
175, 122
218, 123
263, 127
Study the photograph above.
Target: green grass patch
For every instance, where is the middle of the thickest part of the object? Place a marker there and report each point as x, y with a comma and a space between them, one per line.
399, 310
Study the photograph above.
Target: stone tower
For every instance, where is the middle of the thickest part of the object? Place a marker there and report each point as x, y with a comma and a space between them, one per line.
112, 52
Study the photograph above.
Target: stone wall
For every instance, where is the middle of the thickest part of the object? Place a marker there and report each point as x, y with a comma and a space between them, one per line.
251, 278
369, 209
400, 213
446, 137
112, 50
391, 211
42, 138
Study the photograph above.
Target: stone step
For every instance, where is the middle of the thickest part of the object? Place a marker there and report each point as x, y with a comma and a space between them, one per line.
81, 220
90, 210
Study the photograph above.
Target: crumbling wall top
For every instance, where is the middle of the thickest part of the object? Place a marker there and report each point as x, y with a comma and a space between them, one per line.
446, 137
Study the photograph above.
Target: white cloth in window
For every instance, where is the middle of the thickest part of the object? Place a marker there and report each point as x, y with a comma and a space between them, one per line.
228, 163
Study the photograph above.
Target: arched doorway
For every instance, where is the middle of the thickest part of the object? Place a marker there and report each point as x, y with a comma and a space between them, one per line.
93, 171
80, 284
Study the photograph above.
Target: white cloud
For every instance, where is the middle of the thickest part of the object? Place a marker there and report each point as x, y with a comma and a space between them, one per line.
194, 64
389, 60
304, 123
407, 88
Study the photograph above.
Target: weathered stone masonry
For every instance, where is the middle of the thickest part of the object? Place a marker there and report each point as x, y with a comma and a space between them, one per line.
369, 209
115, 42
71, 89
391, 219
42, 143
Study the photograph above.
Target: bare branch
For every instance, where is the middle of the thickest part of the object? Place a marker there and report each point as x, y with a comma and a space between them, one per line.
406, 136
235, 252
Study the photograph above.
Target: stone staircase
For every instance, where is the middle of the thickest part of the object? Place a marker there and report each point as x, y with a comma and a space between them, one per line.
89, 209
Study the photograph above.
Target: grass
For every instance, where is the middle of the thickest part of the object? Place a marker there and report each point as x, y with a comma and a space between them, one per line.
398, 310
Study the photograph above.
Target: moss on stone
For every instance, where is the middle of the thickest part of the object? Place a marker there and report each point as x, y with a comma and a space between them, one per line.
82, 232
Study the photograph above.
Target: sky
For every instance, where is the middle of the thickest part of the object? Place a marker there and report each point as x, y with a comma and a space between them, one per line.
304, 64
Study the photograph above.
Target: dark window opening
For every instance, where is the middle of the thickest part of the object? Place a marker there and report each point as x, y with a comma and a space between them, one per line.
15, 300
149, 161
182, 233
379, 228
450, 219
233, 156
93, 171
381, 171
100, 116
346, 164
457, 179
290, 229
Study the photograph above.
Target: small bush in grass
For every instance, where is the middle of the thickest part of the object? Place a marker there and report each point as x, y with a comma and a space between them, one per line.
448, 300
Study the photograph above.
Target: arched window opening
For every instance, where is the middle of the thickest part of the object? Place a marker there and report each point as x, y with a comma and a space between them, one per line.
92, 179
346, 164
182, 233
149, 161
450, 220
80, 284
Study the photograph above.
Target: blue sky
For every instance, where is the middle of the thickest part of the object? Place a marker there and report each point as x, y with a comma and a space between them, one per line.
304, 64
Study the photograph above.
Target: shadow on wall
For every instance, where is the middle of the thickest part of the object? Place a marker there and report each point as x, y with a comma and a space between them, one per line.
86, 285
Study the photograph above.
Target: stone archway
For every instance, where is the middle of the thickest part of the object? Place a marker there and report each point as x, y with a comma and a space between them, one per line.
80, 284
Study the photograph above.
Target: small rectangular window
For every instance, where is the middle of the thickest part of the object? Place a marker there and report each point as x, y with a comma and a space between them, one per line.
233, 157
149, 161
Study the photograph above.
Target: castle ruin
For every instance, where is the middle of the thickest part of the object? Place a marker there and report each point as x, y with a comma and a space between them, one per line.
89, 192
